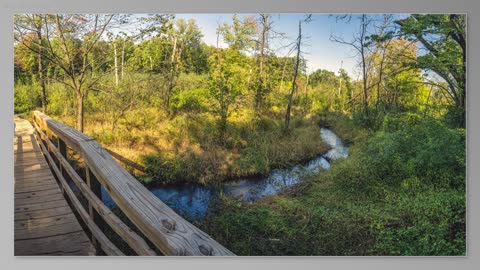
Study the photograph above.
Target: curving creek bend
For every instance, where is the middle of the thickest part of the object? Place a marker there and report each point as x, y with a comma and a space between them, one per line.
192, 201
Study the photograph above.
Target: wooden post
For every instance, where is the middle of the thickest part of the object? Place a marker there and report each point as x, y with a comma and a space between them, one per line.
95, 186
62, 147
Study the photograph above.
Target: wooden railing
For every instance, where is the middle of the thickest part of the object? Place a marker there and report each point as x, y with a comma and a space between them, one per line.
165, 229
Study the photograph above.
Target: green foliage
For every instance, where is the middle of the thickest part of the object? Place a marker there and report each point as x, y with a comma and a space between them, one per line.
408, 150
227, 82
444, 37
400, 193
428, 224
239, 35
455, 117
191, 94
26, 98
394, 122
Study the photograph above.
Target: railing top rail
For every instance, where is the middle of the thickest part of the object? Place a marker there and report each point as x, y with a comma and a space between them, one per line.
172, 234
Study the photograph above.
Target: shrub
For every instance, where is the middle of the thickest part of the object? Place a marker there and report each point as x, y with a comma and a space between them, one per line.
195, 100
430, 223
26, 98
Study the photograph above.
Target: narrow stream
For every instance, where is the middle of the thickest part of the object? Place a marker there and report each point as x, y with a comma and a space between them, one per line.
192, 201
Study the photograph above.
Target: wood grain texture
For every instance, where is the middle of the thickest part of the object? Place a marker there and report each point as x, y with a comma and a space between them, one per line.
44, 223
137, 243
106, 245
170, 233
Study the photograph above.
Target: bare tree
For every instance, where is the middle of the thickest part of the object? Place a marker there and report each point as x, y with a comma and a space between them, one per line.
359, 43
266, 24
297, 64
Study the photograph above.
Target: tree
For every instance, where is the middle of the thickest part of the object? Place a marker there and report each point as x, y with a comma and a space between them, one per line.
226, 82
77, 35
297, 64
184, 34
266, 25
444, 38
240, 35
33, 23
360, 44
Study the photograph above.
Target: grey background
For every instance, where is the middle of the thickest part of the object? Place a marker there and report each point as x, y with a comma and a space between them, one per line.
10, 7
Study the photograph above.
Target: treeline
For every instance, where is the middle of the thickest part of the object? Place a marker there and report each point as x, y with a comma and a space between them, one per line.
84, 52
160, 90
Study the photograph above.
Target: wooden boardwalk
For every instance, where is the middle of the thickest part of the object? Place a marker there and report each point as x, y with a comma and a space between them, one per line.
44, 222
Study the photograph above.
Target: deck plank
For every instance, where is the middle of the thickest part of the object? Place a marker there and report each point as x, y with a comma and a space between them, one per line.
44, 222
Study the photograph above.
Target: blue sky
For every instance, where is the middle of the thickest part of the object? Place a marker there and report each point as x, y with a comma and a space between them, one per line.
320, 52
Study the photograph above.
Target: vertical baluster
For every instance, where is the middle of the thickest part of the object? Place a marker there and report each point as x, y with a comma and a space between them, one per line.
95, 186
62, 147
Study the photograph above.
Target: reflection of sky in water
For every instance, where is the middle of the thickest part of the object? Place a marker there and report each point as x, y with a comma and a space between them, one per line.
254, 189
338, 149
192, 201
189, 201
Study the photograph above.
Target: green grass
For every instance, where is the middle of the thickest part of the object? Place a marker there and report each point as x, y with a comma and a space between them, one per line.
250, 149
401, 192
186, 147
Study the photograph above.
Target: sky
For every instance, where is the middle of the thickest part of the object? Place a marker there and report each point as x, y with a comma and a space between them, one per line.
318, 50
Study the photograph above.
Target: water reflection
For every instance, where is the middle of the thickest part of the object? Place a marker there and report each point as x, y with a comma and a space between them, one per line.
254, 189
192, 201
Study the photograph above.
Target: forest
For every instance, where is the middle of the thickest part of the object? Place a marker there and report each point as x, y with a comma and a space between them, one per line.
191, 114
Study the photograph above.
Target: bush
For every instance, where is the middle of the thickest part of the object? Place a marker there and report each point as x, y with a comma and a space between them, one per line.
430, 223
195, 100
430, 153
163, 169
26, 98
455, 117
402, 192
397, 121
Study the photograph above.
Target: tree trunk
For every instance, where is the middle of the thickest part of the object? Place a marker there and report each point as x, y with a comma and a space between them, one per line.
41, 75
80, 113
260, 90
172, 73
123, 58
115, 62
294, 82
364, 65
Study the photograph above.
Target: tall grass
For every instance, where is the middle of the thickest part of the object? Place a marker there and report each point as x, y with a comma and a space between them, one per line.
401, 192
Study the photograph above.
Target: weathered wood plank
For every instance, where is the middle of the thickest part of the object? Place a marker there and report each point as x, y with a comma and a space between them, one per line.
67, 134
36, 188
38, 199
44, 223
41, 206
32, 176
130, 237
44, 213
167, 230
36, 180
107, 246
47, 231
68, 243
36, 194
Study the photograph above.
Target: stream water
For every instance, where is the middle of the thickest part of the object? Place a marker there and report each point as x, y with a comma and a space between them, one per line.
192, 201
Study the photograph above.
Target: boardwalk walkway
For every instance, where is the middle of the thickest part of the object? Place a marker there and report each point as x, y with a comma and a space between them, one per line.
44, 223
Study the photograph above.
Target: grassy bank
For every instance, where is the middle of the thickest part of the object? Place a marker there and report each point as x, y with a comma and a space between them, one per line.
401, 192
187, 148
